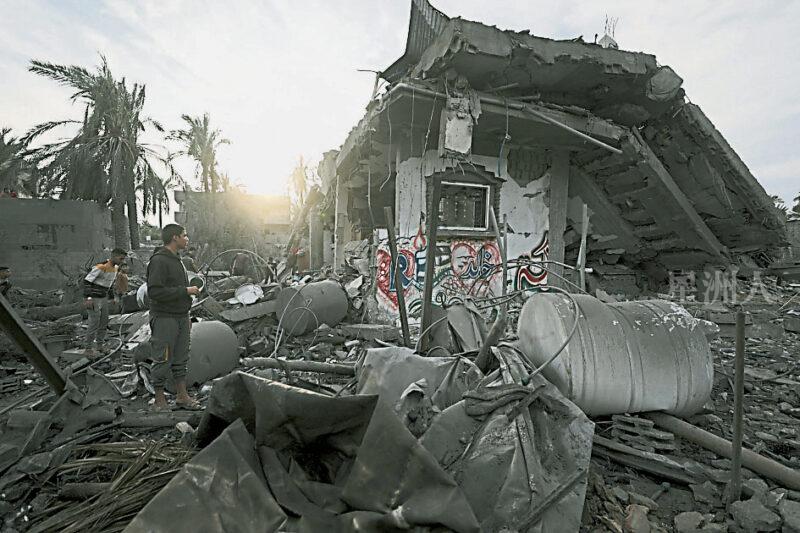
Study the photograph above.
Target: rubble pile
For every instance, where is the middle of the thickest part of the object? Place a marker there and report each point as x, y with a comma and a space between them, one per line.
95, 458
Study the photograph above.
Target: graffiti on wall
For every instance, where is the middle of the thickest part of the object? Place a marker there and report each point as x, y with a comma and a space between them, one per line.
530, 276
463, 268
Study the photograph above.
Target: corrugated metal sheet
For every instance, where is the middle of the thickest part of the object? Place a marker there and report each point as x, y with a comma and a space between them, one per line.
425, 24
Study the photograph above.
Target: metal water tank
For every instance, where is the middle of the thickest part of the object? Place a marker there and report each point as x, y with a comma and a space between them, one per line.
302, 308
213, 351
624, 357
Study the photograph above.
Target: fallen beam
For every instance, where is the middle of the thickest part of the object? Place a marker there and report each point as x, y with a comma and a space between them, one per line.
31, 347
759, 464
300, 365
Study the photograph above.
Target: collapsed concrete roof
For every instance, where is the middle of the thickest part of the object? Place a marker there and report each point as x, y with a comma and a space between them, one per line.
677, 194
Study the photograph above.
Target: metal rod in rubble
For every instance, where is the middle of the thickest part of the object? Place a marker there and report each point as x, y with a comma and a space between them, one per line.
735, 491
432, 219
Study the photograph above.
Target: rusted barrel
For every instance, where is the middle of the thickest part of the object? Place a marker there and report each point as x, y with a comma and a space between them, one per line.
624, 357
303, 308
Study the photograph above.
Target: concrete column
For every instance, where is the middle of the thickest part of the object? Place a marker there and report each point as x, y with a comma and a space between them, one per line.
342, 231
559, 187
327, 248
316, 242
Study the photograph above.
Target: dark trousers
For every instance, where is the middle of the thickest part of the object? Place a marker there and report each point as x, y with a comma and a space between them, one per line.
170, 348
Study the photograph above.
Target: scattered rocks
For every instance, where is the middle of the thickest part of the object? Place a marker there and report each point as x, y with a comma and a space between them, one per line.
790, 512
640, 499
620, 494
706, 493
688, 522
636, 519
751, 515
754, 487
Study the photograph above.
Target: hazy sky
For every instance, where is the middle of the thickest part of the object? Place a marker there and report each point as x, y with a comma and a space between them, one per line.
280, 77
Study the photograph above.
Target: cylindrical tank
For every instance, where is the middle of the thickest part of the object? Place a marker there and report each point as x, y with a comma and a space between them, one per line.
326, 300
213, 351
624, 357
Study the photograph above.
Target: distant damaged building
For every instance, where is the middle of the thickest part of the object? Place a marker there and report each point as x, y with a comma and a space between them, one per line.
535, 128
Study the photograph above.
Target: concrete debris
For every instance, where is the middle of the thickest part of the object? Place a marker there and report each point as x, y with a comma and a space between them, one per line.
249, 312
688, 522
790, 512
751, 515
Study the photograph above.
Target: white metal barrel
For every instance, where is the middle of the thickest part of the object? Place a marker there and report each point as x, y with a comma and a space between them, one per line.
624, 357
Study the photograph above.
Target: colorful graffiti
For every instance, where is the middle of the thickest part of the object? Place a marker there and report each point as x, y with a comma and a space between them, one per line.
463, 268
530, 276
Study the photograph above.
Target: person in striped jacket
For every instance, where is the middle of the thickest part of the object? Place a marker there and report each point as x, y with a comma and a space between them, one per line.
98, 288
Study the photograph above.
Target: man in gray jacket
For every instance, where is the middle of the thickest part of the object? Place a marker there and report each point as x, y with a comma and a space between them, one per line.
170, 299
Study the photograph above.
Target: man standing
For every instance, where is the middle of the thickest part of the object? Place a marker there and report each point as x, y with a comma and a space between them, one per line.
97, 289
170, 300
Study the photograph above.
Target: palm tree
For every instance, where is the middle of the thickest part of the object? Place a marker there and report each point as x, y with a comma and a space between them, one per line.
200, 142
12, 161
794, 214
155, 190
105, 158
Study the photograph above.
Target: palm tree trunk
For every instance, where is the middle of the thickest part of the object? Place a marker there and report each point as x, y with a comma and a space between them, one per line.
160, 222
133, 221
118, 221
205, 177
118, 207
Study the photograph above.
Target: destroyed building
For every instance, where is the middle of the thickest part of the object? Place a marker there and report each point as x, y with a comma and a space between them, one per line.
235, 219
514, 409
46, 241
535, 128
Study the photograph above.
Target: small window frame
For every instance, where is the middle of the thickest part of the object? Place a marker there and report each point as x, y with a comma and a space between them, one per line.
487, 201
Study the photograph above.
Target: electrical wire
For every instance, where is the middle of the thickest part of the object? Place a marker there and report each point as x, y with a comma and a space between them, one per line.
576, 309
207, 266
426, 330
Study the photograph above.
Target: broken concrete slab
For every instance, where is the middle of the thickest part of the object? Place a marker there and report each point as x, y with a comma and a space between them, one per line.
791, 323
790, 512
688, 522
370, 332
752, 515
248, 312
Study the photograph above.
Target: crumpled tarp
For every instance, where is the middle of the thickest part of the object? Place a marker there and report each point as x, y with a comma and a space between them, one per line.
282, 458
517, 447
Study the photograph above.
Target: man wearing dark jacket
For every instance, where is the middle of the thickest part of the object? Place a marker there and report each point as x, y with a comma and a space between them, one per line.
170, 299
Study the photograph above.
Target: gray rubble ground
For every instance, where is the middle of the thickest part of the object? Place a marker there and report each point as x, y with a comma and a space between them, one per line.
619, 498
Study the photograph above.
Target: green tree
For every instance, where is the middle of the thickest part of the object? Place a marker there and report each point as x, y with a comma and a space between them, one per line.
200, 142
794, 214
106, 158
15, 170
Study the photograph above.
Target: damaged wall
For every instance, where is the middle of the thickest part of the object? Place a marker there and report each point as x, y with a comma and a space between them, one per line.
41, 239
468, 263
